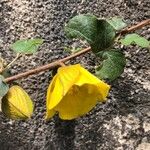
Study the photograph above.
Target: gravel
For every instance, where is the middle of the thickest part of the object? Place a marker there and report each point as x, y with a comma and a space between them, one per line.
122, 123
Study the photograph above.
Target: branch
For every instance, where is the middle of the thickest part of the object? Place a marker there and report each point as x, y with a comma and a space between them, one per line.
135, 27
45, 67
1, 65
59, 62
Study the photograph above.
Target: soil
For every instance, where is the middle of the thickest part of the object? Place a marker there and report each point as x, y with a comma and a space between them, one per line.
122, 123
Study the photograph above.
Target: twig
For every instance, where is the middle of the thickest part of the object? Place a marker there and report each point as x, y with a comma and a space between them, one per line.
62, 64
135, 27
57, 63
45, 67
1, 65
9, 65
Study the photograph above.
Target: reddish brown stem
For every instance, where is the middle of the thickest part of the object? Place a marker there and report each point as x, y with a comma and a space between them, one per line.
58, 62
45, 67
135, 27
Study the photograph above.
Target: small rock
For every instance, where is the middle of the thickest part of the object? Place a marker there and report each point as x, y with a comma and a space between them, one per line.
143, 146
146, 126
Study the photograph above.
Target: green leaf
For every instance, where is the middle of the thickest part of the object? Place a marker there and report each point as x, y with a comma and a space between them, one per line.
3, 87
135, 39
117, 23
112, 66
27, 46
98, 33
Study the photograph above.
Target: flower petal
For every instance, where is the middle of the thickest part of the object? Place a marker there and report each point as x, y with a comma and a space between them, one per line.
103, 88
49, 113
88, 78
17, 104
68, 76
60, 84
78, 101
54, 93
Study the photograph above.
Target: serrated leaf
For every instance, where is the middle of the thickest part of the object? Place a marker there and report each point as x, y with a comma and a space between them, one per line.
112, 65
27, 46
17, 104
3, 87
98, 33
135, 39
117, 23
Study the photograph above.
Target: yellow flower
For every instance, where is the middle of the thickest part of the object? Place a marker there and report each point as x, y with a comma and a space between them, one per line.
17, 104
73, 92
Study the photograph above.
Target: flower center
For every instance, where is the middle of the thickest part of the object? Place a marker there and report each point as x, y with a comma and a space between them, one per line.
74, 90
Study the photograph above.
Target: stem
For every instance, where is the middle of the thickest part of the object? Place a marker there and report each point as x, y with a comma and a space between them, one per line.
62, 64
57, 63
1, 65
9, 65
135, 27
45, 67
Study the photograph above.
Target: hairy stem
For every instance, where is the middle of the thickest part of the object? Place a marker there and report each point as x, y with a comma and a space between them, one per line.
58, 62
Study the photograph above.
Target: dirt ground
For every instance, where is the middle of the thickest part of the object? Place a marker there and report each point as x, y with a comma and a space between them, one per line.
122, 123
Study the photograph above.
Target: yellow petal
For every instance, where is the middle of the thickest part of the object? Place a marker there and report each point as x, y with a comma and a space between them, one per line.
49, 113
68, 76
88, 78
78, 101
60, 84
51, 89
103, 88
17, 104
